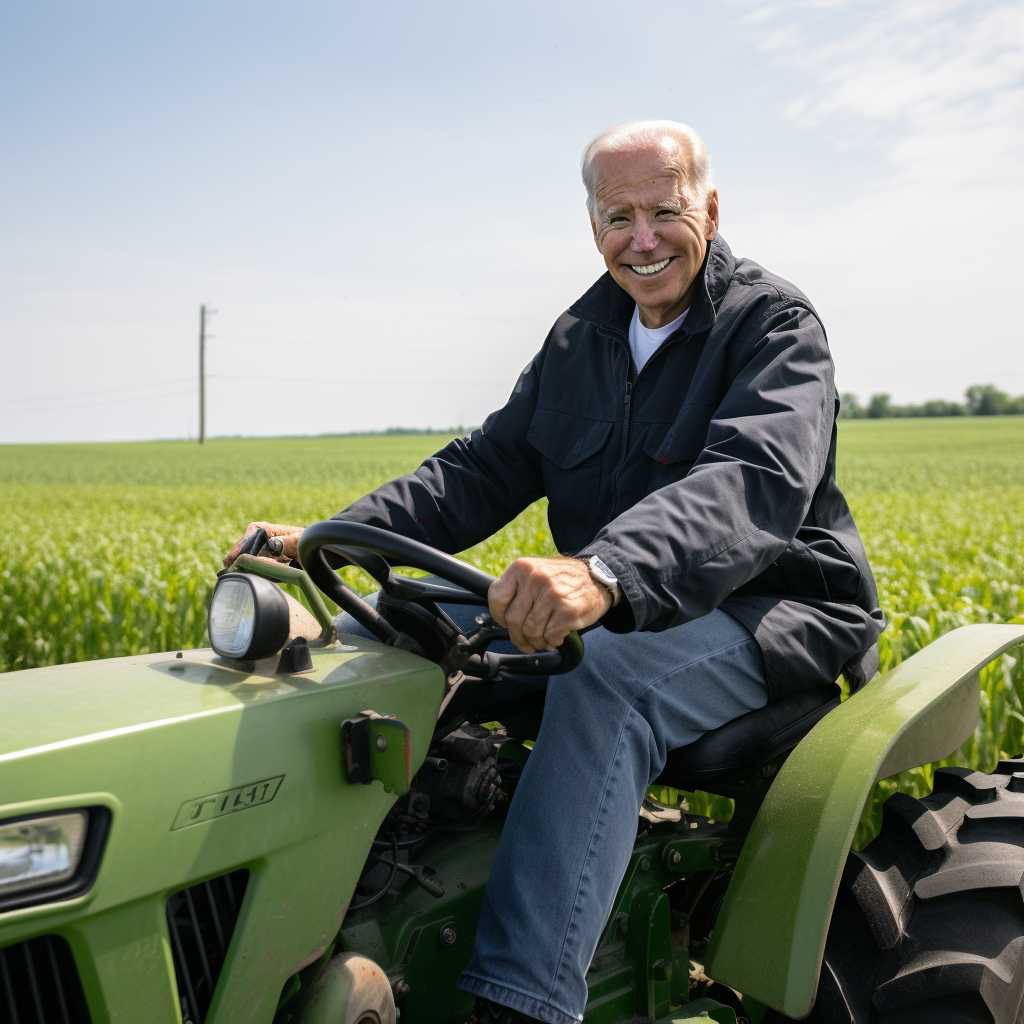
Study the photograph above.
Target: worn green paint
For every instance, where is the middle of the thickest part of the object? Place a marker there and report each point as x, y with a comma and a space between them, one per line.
770, 936
391, 754
700, 1011
636, 969
402, 932
145, 736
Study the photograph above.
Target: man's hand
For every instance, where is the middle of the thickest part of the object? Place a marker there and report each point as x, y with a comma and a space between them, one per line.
289, 535
539, 600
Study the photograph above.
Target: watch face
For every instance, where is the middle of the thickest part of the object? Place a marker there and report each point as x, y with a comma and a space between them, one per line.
599, 569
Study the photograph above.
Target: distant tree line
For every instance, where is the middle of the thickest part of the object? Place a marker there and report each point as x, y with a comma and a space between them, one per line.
979, 400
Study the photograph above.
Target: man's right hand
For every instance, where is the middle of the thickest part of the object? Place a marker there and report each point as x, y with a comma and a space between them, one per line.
289, 534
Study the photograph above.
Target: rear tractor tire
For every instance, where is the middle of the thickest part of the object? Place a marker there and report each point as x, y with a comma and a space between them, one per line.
928, 926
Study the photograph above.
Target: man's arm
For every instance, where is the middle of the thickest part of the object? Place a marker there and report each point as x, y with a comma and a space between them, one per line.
682, 550
471, 487
461, 495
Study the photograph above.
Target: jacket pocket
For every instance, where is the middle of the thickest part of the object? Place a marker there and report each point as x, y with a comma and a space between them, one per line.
673, 448
564, 439
820, 569
836, 565
572, 449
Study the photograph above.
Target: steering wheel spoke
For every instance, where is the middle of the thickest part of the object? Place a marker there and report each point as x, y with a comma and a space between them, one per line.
375, 551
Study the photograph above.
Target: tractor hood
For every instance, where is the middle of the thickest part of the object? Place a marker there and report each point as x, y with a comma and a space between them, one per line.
64, 705
195, 768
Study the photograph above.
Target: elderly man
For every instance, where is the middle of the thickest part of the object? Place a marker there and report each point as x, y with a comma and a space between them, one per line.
680, 419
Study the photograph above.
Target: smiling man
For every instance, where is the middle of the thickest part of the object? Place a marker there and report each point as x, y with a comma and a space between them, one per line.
680, 420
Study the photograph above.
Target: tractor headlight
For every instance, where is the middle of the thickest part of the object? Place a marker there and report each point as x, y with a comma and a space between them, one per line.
248, 617
42, 851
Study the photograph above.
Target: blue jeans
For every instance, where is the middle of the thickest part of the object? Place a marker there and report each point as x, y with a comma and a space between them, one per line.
607, 728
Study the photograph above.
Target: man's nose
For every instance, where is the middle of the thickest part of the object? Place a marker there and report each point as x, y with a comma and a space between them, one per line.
644, 237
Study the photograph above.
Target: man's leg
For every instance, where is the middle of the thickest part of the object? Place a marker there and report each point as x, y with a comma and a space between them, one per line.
607, 728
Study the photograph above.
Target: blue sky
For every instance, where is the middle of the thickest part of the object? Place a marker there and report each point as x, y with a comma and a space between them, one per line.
383, 201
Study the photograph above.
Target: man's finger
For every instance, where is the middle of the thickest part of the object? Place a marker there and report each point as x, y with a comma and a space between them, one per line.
500, 594
290, 545
554, 635
535, 626
515, 615
562, 622
233, 553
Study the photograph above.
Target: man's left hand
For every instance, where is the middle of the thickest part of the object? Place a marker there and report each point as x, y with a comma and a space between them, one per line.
539, 600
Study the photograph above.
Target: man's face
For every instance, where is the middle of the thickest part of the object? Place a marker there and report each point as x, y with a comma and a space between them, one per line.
651, 228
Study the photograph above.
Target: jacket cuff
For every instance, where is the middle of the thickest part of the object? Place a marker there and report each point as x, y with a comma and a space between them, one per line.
630, 614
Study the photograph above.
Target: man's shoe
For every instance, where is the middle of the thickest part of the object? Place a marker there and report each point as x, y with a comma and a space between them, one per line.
487, 1012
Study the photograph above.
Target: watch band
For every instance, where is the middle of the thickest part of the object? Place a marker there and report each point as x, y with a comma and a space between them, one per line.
604, 577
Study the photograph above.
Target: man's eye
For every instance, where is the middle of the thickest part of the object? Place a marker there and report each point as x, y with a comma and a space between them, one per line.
617, 219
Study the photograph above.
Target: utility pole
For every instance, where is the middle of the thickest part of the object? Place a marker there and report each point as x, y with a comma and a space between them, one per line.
204, 315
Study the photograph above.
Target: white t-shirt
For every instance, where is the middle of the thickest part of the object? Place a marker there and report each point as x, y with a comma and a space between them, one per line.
645, 341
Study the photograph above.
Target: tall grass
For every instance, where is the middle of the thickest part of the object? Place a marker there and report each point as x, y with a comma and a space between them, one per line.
112, 549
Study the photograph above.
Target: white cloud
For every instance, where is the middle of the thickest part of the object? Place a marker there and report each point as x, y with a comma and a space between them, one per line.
918, 263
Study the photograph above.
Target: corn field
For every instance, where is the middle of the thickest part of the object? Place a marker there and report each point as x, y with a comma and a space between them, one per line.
111, 549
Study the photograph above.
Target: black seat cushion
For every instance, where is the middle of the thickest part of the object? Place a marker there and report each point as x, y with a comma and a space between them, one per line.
739, 748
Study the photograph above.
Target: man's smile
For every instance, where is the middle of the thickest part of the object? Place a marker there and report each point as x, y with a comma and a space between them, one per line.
650, 268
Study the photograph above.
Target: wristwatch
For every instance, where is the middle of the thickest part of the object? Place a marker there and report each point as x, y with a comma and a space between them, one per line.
604, 577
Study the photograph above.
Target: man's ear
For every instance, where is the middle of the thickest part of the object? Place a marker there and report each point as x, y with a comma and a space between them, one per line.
711, 223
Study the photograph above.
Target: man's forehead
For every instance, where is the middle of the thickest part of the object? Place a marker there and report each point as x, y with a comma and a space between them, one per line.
648, 171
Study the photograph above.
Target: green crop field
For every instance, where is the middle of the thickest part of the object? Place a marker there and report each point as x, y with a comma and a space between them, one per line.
111, 549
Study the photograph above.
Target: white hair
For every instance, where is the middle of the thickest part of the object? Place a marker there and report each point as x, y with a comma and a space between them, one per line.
640, 134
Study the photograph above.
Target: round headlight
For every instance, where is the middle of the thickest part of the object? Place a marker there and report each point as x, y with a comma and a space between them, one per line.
248, 617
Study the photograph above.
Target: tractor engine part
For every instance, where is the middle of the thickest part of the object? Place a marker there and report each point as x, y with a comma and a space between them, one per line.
470, 784
351, 989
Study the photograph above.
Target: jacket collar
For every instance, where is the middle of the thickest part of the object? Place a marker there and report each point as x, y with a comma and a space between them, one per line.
605, 304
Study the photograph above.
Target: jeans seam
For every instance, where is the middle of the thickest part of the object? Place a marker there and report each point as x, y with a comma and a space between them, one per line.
586, 857
631, 703
696, 661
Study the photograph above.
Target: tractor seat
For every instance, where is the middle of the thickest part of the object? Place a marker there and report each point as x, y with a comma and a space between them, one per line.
738, 751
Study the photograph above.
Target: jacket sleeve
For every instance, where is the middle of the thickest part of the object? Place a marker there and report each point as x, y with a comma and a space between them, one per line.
683, 549
471, 487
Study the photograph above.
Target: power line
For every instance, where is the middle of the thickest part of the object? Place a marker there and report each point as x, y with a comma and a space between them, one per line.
143, 391
99, 401
79, 399
341, 346
99, 391
367, 383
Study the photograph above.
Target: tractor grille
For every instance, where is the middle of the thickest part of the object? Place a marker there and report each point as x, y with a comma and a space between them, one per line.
201, 920
39, 983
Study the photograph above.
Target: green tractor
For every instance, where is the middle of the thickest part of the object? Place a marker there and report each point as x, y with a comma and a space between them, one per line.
297, 827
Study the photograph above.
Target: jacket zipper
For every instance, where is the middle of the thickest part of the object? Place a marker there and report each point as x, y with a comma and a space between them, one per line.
628, 403
623, 447
625, 426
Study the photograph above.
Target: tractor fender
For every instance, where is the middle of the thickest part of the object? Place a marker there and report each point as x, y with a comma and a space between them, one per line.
769, 938
350, 989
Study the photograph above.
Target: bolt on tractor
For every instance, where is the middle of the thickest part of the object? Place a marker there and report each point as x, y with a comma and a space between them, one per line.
296, 827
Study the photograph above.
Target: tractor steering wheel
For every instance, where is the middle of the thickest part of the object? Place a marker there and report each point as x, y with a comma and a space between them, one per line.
408, 615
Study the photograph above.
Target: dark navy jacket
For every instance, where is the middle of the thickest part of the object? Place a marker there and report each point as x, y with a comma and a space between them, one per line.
705, 481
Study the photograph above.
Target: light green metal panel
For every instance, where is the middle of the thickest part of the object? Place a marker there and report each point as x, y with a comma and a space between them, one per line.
770, 936
161, 741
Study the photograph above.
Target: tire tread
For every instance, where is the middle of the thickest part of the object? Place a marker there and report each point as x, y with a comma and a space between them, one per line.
928, 926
